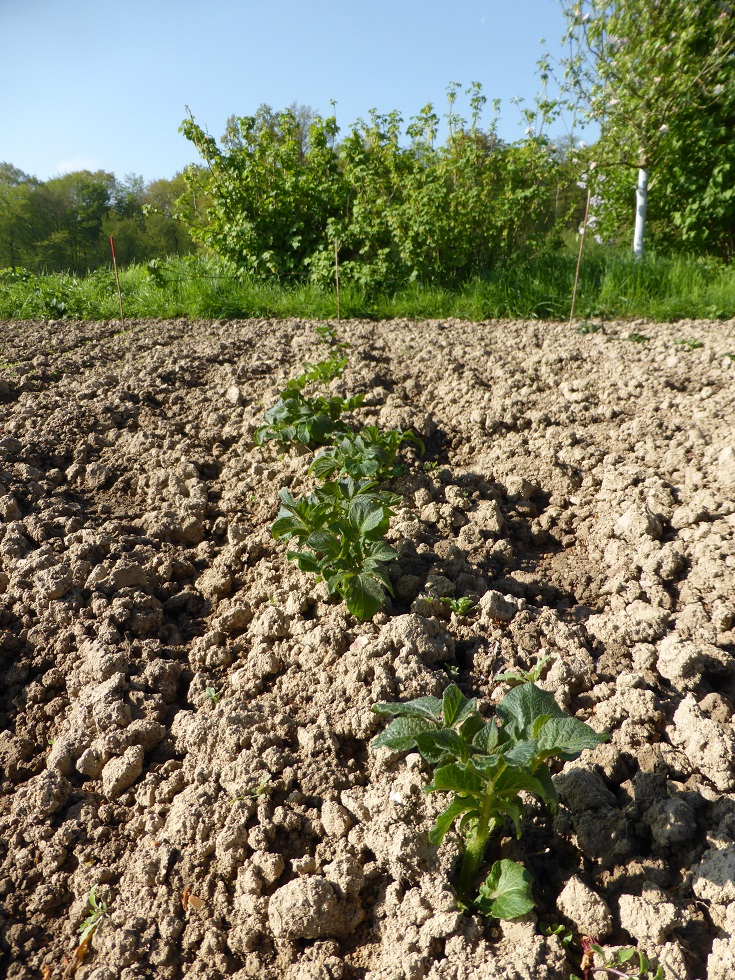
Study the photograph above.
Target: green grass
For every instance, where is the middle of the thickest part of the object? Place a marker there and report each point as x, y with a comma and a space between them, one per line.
659, 288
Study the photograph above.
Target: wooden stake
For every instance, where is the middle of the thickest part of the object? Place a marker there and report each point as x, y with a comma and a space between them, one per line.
117, 280
579, 257
336, 273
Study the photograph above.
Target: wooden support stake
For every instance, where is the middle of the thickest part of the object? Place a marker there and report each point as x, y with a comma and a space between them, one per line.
579, 257
336, 273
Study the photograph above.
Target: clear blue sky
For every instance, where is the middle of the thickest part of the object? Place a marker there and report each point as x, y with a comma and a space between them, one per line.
102, 85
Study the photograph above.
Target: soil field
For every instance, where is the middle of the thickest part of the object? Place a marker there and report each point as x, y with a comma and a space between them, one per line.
185, 717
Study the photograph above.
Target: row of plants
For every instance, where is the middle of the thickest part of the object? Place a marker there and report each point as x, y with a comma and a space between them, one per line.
337, 532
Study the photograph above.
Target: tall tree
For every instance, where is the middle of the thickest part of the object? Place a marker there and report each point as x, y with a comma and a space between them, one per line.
649, 71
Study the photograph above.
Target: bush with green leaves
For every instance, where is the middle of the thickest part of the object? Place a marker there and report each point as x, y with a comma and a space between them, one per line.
485, 766
339, 532
282, 196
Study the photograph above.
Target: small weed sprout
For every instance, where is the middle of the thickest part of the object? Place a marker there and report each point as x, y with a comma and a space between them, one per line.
528, 676
459, 606
97, 910
617, 965
587, 327
485, 765
692, 343
638, 338
213, 695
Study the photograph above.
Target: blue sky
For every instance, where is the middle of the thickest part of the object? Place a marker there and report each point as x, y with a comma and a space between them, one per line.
102, 85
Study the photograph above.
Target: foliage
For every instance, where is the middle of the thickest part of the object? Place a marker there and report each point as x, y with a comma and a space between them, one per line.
618, 964
526, 677
368, 453
311, 421
659, 79
339, 530
485, 766
459, 606
281, 199
64, 223
97, 910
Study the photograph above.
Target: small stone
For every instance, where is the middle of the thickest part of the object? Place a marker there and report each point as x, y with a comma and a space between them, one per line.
494, 605
648, 918
120, 773
585, 909
305, 908
335, 820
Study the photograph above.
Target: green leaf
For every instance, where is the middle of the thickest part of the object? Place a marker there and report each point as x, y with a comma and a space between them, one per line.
458, 806
506, 892
400, 735
486, 740
427, 707
457, 778
567, 738
521, 706
435, 746
451, 701
363, 594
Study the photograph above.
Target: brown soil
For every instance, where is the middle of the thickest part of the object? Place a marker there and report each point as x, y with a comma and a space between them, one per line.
185, 717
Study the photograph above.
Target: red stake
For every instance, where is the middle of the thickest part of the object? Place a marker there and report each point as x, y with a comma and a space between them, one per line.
117, 279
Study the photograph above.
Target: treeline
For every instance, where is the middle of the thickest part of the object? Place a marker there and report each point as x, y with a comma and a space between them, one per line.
64, 224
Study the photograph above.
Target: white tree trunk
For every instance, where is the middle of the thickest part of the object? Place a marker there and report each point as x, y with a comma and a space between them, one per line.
641, 205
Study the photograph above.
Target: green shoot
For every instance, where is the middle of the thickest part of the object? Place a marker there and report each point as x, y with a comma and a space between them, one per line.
459, 606
617, 965
525, 677
586, 327
485, 766
97, 910
213, 695
368, 454
637, 338
692, 343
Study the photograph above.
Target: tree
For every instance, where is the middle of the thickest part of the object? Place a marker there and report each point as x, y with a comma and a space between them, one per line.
652, 73
16, 188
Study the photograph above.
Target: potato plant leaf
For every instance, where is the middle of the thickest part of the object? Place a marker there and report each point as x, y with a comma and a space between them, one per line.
506, 892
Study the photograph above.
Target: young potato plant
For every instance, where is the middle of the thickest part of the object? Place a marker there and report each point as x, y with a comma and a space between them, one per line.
311, 421
367, 454
485, 765
339, 531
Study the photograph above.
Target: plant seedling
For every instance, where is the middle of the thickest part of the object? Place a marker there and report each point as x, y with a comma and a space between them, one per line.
311, 421
485, 765
525, 677
459, 606
213, 695
368, 454
340, 529
611, 966
637, 338
97, 910
692, 343
586, 327
730, 356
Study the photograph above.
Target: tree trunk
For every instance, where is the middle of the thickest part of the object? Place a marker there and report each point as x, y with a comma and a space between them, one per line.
641, 206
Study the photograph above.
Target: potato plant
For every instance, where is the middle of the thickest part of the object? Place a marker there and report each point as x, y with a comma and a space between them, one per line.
338, 529
485, 765
339, 532
369, 453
